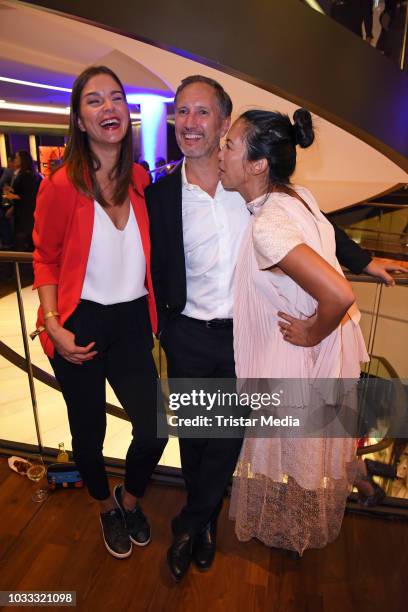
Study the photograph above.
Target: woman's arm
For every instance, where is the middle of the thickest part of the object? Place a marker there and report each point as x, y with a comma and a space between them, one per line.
51, 222
18, 188
330, 289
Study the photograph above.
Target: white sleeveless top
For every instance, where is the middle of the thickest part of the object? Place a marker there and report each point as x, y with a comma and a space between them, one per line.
116, 268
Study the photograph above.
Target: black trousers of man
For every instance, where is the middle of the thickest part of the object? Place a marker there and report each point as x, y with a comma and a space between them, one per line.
196, 351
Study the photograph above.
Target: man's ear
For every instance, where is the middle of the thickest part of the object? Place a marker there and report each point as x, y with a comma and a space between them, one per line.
259, 166
225, 126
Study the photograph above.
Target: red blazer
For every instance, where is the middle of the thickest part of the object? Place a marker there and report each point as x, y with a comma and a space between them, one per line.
62, 236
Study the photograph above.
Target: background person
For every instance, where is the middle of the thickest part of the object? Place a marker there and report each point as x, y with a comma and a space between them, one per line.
6, 226
22, 194
352, 14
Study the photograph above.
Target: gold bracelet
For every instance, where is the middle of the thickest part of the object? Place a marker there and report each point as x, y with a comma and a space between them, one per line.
51, 313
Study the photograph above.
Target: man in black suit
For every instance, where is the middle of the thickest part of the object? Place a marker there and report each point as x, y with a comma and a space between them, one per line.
196, 227
352, 14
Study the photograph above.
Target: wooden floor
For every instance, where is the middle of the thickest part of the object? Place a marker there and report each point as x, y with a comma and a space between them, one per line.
57, 545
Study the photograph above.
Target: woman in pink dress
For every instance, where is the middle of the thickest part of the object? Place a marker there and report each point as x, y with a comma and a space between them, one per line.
294, 317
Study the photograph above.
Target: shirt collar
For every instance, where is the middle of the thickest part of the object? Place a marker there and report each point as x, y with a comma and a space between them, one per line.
191, 186
184, 180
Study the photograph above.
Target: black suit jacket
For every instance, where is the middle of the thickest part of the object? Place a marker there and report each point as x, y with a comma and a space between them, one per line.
164, 205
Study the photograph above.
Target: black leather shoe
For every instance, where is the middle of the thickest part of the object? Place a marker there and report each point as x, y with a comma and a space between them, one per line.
376, 498
179, 555
377, 468
204, 547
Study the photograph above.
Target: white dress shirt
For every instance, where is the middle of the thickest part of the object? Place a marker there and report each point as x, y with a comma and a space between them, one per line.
116, 268
212, 233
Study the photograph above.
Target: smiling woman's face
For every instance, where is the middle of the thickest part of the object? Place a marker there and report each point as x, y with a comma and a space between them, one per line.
233, 158
103, 111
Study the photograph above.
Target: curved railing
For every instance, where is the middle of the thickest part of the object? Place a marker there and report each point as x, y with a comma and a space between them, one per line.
392, 39
379, 366
383, 244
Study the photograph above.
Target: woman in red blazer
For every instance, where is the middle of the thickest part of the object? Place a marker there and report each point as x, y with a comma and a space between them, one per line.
97, 313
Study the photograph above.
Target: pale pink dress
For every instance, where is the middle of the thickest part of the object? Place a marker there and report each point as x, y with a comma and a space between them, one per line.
289, 492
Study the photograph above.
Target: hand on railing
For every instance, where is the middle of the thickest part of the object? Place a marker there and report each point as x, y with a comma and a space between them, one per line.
381, 268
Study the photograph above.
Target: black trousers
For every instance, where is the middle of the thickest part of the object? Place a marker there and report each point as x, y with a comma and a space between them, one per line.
124, 341
195, 351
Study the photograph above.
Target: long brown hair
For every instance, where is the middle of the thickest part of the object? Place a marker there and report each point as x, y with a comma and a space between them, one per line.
26, 161
81, 162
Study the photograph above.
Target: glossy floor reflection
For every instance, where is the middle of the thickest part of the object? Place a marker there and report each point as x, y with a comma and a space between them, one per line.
16, 416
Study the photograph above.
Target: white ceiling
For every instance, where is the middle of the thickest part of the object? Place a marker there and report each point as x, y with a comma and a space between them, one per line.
40, 47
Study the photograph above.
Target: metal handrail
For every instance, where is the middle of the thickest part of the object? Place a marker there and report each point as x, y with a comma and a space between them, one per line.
34, 372
401, 279
315, 5
16, 256
404, 40
370, 204
48, 379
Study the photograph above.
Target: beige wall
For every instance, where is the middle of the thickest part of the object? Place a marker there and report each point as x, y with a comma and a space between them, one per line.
391, 336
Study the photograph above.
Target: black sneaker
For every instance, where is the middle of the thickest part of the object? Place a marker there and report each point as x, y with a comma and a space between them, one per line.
115, 534
136, 523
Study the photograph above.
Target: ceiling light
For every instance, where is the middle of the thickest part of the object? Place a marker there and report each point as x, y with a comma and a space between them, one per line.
133, 98
140, 98
315, 5
31, 84
54, 110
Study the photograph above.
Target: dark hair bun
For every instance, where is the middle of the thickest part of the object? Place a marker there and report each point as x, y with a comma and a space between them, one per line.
303, 128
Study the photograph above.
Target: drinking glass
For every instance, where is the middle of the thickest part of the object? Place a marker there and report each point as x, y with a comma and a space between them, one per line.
36, 472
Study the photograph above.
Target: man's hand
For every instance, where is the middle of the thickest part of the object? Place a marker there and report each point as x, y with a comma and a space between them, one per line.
298, 331
381, 268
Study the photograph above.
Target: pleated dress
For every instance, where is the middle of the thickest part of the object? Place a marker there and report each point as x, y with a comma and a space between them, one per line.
290, 492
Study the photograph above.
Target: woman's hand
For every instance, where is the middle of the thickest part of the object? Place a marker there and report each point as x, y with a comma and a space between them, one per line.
298, 331
64, 343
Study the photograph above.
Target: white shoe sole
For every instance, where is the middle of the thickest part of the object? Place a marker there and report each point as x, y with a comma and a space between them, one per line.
140, 543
